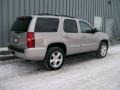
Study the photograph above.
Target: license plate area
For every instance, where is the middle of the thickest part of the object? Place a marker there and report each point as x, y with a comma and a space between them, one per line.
15, 40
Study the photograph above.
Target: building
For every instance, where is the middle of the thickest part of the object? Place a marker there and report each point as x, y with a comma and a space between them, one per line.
109, 10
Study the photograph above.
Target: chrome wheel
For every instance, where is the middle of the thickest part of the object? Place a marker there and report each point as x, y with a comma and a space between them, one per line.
56, 59
103, 50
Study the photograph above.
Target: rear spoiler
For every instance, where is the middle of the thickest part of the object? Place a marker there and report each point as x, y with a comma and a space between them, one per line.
24, 17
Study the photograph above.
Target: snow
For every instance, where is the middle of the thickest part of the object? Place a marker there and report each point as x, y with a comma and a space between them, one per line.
80, 72
4, 49
4, 52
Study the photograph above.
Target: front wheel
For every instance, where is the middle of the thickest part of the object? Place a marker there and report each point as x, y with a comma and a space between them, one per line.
102, 50
54, 58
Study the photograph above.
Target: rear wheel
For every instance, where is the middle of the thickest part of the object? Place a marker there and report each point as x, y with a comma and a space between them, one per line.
54, 58
102, 50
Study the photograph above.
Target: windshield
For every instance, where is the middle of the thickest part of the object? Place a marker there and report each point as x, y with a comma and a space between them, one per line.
21, 24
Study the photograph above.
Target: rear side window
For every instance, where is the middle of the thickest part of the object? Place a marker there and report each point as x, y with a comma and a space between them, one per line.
47, 25
21, 24
70, 26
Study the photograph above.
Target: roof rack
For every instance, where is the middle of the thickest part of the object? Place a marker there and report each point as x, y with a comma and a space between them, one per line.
56, 15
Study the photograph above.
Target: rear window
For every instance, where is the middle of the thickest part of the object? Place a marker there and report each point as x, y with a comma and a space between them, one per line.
47, 25
70, 26
21, 24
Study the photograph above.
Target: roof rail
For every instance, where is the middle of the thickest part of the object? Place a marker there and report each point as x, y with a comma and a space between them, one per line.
23, 17
55, 15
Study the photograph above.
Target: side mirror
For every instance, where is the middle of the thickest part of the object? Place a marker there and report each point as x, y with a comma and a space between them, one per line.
88, 31
95, 30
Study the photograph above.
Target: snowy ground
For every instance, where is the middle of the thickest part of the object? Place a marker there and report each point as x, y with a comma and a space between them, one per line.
3, 49
80, 72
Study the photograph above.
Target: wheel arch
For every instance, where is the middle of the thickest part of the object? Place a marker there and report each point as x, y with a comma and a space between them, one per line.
106, 41
58, 44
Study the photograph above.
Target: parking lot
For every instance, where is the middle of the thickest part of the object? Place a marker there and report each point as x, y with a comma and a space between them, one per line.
80, 72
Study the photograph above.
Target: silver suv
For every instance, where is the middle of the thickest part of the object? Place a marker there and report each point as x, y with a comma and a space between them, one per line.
51, 38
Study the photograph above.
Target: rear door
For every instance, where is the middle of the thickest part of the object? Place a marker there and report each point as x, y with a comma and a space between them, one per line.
72, 35
89, 40
19, 32
46, 30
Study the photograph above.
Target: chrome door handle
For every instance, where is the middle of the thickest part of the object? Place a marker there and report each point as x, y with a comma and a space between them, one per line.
66, 36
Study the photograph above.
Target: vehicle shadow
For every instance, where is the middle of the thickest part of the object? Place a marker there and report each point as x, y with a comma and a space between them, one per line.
27, 67
7, 58
79, 58
37, 66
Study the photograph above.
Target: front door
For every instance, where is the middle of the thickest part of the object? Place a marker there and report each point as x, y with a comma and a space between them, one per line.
89, 39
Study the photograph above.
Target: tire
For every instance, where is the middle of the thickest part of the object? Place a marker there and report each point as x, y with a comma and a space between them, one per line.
102, 50
54, 58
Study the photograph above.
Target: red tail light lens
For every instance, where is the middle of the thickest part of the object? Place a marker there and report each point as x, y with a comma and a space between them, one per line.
30, 40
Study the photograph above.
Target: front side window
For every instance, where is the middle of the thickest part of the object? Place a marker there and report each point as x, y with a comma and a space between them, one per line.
85, 27
70, 26
47, 25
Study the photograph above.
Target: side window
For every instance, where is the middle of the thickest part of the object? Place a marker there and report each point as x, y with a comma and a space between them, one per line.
85, 27
70, 26
47, 25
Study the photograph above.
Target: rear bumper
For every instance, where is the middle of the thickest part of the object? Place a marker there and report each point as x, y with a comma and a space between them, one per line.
31, 53
15, 49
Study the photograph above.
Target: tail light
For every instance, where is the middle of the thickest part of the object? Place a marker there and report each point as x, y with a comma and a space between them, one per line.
30, 40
